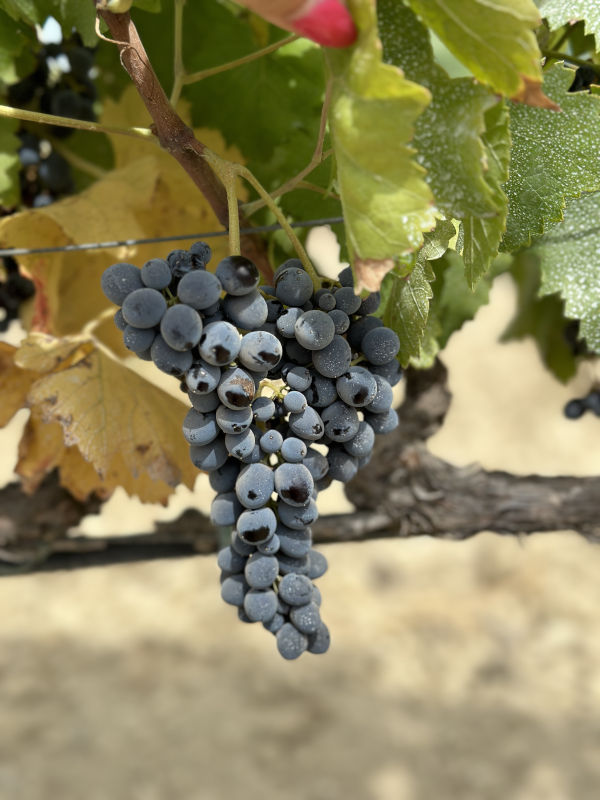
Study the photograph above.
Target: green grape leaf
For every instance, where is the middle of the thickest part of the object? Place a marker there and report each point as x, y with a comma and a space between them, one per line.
554, 157
565, 12
153, 6
9, 163
453, 303
570, 263
30, 11
494, 40
482, 235
466, 154
13, 38
387, 203
79, 15
541, 318
405, 293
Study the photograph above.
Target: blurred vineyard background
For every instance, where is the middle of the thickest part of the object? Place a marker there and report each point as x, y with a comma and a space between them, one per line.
463, 671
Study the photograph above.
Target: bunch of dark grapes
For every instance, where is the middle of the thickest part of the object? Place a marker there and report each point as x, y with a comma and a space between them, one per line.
577, 407
289, 387
60, 84
14, 289
585, 76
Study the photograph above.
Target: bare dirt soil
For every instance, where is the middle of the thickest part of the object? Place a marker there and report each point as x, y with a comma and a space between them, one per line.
458, 671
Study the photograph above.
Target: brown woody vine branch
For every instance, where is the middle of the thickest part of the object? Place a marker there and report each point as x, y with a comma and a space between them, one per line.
172, 133
409, 492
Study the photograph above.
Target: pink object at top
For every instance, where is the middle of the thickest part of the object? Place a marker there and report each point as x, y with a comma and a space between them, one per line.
328, 22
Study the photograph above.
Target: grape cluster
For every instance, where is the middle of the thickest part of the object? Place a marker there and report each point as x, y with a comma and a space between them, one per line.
14, 289
289, 387
577, 407
61, 83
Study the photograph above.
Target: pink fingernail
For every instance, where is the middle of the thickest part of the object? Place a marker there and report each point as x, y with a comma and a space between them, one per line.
328, 22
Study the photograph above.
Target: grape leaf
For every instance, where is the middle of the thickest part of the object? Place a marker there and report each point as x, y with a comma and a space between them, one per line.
542, 318
69, 13
9, 163
14, 384
13, 39
553, 158
33, 12
406, 294
42, 449
126, 428
482, 235
466, 154
79, 15
148, 5
569, 254
387, 203
563, 12
495, 40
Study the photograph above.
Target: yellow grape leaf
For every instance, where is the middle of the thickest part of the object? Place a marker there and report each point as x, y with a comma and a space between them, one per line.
14, 384
42, 449
126, 428
41, 352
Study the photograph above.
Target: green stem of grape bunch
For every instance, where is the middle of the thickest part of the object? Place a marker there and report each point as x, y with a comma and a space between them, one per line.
228, 171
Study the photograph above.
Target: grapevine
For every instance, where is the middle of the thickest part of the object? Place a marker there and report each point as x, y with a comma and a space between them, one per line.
455, 148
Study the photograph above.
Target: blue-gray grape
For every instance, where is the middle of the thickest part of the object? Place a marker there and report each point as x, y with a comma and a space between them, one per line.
260, 605
255, 485
220, 343
200, 428
144, 308
119, 281
234, 420
261, 570
199, 289
294, 484
290, 642
314, 330
306, 618
238, 275
181, 327
247, 312
156, 274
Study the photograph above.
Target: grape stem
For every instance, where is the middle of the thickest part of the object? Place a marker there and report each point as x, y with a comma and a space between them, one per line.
556, 55
68, 122
227, 172
78, 162
178, 68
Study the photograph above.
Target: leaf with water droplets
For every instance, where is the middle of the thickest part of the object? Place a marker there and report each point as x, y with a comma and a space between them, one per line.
564, 12
494, 40
554, 156
462, 138
387, 203
570, 262
406, 294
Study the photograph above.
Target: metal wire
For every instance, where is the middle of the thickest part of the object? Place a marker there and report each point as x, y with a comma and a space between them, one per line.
68, 248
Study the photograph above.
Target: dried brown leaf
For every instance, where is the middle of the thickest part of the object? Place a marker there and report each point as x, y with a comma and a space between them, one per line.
369, 273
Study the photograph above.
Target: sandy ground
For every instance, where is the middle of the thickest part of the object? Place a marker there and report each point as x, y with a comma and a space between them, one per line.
458, 671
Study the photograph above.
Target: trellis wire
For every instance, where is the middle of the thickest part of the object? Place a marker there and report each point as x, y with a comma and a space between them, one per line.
67, 248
